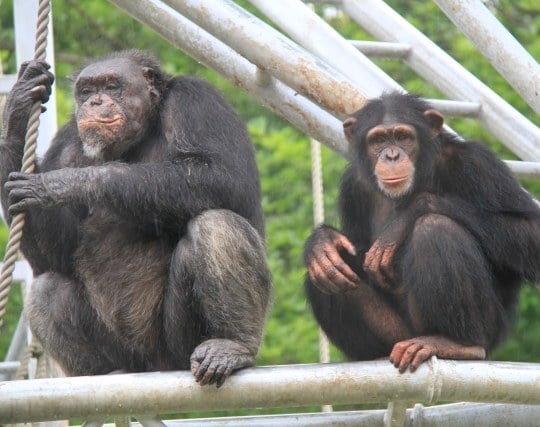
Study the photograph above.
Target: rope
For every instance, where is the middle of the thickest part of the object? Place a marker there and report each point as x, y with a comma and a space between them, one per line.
28, 166
318, 218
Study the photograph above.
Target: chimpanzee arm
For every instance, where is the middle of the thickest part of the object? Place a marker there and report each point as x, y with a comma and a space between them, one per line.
480, 193
33, 84
142, 191
202, 159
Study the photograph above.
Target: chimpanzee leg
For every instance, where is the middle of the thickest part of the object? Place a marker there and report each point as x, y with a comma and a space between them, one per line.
363, 323
218, 293
60, 317
451, 300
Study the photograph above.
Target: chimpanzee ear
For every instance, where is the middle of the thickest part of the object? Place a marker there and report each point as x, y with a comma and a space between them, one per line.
435, 119
347, 128
148, 74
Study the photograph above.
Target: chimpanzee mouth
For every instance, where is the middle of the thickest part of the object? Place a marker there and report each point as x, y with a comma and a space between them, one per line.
395, 180
106, 120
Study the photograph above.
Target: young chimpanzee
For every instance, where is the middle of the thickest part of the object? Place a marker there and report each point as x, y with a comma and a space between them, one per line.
144, 225
437, 238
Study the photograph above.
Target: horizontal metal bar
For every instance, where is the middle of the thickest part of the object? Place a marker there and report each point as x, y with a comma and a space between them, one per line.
458, 414
382, 49
456, 108
9, 367
524, 169
267, 387
500, 47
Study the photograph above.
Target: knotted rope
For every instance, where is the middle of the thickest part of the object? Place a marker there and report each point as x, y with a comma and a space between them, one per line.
28, 165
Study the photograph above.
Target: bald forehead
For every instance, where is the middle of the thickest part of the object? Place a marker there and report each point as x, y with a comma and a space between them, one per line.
115, 66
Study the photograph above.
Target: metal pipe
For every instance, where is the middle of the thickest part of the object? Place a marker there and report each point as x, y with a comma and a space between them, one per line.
214, 54
382, 49
266, 387
310, 31
456, 414
436, 66
273, 52
500, 47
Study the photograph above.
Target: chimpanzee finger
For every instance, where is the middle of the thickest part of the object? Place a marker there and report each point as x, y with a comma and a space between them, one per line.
20, 207
386, 259
34, 68
344, 243
201, 370
332, 276
397, 352
208, 376
351, 279
408, 356
372, 259
221, 374
421, 356
318, 278
22, 69
40, 93
18, 176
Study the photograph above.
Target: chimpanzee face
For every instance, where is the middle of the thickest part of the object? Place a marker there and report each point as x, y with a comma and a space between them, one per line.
389, 146
392, 150
114, 106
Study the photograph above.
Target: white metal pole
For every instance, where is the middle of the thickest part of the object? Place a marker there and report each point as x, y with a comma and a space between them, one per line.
500, 47
266, 387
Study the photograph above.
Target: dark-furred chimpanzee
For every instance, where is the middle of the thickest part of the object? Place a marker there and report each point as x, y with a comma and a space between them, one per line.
144, 225
437, 237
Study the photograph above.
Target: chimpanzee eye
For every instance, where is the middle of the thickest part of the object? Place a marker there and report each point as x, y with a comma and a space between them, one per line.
377, 139
401, 136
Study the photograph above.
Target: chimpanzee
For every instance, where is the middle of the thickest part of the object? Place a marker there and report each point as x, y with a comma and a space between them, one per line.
144, 225
437, 237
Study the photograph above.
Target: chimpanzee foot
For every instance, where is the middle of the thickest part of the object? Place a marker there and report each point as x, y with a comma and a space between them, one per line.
214, 360
411, 353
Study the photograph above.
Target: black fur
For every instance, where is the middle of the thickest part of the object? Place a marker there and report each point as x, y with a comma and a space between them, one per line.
470, 238
143, 257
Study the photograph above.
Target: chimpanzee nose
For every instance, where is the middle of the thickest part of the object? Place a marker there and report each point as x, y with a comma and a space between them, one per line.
392, 154
96, 100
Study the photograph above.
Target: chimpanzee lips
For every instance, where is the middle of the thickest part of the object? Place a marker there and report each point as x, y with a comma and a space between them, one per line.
394, 180
100, 120
106, 120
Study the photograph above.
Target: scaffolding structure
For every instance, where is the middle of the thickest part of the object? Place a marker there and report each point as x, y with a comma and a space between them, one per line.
310, 75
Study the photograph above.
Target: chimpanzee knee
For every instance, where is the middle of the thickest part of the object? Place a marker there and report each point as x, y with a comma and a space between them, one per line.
220, 278
450, 291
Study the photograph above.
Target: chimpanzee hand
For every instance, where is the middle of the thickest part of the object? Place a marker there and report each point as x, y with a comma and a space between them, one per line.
413, 352
26, 191
34, 83
326, 268
214, 360
378, 260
